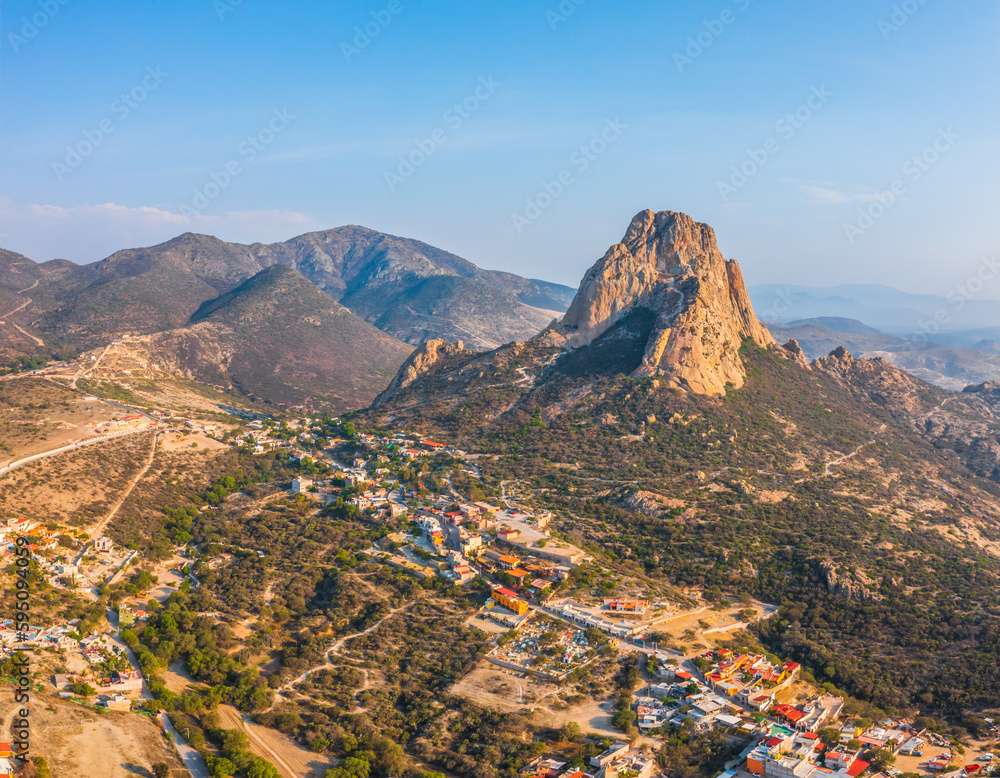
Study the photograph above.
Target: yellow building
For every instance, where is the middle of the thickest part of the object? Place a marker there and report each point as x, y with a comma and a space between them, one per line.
510, 600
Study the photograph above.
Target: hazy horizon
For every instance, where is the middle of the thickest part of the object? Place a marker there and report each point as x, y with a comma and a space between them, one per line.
826, 146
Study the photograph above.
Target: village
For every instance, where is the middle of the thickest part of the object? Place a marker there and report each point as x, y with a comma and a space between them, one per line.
758, 704
543, 632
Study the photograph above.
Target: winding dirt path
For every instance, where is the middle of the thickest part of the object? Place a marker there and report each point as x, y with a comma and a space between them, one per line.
844, 457
335, 647
83, 372
21, 307
38, 341
10, 466
98, 529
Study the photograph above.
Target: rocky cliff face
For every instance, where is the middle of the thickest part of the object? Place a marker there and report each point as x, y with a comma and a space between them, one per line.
427, 357
671, 265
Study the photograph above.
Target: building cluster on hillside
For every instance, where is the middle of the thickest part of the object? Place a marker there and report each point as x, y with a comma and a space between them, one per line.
452, 538
6, 759
752, 680
684, 698
568, 609
708, 703
785, 752
56, 636
619, 760
39, 538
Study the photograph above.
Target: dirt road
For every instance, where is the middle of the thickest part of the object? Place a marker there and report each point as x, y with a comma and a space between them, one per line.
98, 529
189, 756
17, 463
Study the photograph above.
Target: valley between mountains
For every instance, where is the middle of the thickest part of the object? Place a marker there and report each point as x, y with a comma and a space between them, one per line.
350, 505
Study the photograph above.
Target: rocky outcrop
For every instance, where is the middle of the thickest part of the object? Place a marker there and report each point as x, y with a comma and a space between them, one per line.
647, 502
671, 265
879, 379
428, 356
987, 389
794, 350
853, 584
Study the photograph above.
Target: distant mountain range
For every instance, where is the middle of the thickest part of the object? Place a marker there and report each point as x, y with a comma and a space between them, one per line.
952, 342
407, 289
952, 360
881, 307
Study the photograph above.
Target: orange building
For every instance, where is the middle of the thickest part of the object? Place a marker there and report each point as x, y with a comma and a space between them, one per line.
510, 600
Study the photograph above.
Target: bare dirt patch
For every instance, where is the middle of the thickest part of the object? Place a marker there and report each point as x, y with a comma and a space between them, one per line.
37, 415
79, 741
77, 487
291, 759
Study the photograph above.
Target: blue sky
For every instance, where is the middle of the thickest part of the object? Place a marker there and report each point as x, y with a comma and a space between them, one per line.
825, 142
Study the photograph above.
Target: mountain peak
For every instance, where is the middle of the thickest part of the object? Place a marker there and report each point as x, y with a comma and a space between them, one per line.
271, 289
670, 264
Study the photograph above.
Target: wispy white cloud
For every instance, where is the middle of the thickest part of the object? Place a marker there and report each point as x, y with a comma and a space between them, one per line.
91, 231
830, 195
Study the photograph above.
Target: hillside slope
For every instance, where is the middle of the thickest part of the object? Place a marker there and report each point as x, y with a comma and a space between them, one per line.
408, 288
277, 339
821, 486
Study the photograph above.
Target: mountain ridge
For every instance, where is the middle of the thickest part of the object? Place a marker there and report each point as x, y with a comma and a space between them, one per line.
154, 288
840, 463
277, 340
